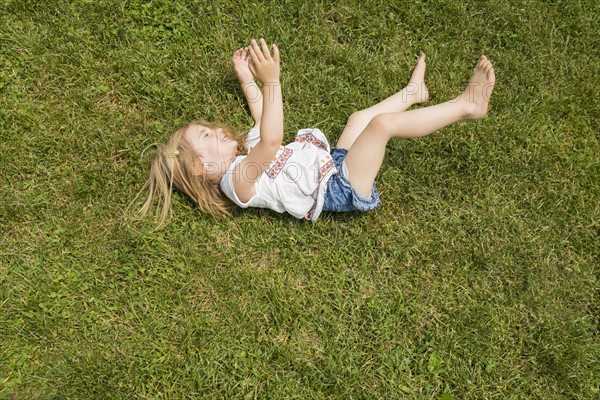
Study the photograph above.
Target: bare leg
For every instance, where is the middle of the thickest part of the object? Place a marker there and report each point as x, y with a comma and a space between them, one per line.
366, 154
415, 92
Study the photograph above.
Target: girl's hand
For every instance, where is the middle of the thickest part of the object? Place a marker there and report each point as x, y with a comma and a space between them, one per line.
240, 65
264, 67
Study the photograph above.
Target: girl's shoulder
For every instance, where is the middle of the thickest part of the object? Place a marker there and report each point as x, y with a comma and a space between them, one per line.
252, 138
313, 136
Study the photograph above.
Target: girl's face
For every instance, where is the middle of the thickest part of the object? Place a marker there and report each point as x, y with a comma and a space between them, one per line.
214, 147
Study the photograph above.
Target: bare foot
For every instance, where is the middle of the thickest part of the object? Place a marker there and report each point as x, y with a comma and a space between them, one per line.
477, 94
416, 88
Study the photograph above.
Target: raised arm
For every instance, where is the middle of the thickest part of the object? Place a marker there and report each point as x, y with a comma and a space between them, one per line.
251, 91
266, 69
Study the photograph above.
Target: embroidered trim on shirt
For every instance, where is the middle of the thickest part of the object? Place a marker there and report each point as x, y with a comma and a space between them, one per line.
325, 169
276, 168
310, 138
311, 212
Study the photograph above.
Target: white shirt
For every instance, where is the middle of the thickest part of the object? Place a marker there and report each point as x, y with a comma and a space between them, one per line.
296, 180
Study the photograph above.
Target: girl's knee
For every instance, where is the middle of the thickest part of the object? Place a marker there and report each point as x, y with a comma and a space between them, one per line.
380, 124
359, 116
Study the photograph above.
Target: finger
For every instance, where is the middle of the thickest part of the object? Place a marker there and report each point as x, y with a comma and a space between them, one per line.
265, 49
275, 52
245, 54
255, 51
253, 56
251, 68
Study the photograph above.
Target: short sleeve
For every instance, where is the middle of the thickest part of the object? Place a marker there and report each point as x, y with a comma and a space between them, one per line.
227, 188
253, 138
313, 136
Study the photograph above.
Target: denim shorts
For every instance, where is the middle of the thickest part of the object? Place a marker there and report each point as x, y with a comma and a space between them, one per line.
340, 196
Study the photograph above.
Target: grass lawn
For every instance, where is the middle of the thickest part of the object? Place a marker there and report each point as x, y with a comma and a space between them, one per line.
476, 279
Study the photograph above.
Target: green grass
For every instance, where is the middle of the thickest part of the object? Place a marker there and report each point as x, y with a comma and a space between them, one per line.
476, 279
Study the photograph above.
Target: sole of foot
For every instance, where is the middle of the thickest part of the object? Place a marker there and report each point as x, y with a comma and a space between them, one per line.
479, 90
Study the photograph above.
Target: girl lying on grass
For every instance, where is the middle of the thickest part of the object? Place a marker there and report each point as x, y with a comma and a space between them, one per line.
214, 168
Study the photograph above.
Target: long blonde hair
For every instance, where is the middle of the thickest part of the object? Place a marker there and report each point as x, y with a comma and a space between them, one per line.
173, 167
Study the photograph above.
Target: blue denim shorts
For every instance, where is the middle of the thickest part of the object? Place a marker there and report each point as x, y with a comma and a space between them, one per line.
340, 196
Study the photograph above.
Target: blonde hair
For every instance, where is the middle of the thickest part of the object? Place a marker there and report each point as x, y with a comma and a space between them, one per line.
175, 166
